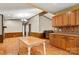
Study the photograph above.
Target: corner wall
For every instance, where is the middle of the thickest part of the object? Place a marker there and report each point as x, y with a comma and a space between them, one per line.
40, 23
45, 24
34, 24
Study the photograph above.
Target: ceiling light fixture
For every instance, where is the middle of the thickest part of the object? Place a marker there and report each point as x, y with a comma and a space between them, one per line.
25, 20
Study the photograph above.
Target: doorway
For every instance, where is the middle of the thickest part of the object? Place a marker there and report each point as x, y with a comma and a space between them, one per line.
26, 29
29, 32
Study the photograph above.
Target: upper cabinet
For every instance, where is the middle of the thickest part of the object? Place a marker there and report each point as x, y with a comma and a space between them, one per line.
57, 21
60, 18
77, 17
65, 19
70, 18
54, 21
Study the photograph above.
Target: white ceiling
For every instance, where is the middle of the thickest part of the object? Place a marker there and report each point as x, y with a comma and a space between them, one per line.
9, 6
26, 10
21, 13
53, 7
18, 10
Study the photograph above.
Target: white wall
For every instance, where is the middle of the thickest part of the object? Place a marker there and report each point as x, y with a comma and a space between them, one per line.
34, 24
13, 26
40, 23
49, 15
45, 24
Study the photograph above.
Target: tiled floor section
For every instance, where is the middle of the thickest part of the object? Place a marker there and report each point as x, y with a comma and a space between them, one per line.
11, 47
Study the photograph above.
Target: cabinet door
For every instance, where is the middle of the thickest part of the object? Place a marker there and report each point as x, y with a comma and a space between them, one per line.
65, 19
62, 42
72, 18
54, 40
57, 41
54, 21
67, 44
77, 17
60, 20
57, 20
77, 45
51, 39
71, 44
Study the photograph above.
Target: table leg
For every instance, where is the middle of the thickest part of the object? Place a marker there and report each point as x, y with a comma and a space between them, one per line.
19, 48
29, 50
44, 47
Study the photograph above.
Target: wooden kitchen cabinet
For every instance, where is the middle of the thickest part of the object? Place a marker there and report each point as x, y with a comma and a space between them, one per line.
77, 17
65, 19
57, 41
68, 43
77, 45
72, 18
57, 21
54, 40
62, 42
71, 44
54, 21
60, 20
51, 37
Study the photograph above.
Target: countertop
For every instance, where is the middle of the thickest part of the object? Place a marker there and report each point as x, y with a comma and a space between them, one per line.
67, 34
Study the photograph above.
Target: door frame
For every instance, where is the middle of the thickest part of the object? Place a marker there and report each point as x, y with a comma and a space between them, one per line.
29, 27
2, 29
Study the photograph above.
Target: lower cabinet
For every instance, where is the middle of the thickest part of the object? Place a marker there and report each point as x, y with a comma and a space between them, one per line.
57, 41
62, 42
54, 40
68, 43
51, 37
77, 45
71, 44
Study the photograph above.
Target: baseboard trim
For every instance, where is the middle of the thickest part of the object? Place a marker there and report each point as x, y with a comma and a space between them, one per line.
13, 34
1, 39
